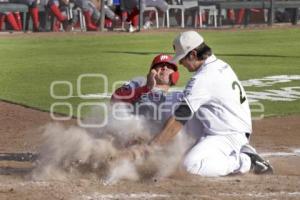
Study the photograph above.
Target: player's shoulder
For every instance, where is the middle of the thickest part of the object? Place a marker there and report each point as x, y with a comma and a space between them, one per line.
217, 63
209, 74
134, 83
214, 61
196, 83
216, 68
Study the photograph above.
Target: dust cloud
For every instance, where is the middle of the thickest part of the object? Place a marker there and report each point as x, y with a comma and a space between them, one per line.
70, 152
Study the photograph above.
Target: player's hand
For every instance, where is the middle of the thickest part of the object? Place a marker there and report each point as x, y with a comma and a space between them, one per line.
151, 82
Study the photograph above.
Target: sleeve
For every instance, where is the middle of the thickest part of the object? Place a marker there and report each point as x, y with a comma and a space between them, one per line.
196, 93
183, 113
128, 95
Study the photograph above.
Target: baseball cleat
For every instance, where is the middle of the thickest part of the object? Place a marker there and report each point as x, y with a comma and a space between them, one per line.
147, 25
67, 25
258, 164
132, 29
129, 27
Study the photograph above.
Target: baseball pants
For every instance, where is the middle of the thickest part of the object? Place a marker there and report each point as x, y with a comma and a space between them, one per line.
218, 155
160, 4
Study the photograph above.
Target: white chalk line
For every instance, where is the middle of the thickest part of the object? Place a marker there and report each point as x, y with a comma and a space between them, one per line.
260, 194
26, 183
295, 152
99, 196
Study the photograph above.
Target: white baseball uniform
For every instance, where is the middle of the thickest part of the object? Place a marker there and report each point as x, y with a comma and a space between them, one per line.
221, 119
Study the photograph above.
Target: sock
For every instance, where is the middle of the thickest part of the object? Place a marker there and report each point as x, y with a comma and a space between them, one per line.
34, 12
230, 15
18, 20
12, 21
88, 20
240, 17
2, 19
108, 23
124, 16
133, 17
56, 25
55, 10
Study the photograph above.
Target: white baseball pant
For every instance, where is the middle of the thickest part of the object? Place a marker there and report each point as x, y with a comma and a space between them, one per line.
218, 155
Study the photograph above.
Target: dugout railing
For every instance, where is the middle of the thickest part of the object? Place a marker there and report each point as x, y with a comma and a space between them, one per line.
270, 5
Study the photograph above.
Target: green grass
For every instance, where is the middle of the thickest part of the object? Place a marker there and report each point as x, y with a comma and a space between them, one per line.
28, 65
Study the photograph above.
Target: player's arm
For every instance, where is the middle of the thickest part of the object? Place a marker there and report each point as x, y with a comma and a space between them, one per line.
129, 95
171, 128
173, 125
195, 95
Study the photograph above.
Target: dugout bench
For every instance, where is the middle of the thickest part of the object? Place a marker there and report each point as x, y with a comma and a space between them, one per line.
270, 5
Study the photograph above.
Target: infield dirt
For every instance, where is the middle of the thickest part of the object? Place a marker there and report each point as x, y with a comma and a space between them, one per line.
277, 138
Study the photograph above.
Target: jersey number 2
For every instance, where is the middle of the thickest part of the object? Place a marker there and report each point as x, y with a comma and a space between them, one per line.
242, 99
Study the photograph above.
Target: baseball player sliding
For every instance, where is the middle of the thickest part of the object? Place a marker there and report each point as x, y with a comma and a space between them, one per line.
149, 95
215, 107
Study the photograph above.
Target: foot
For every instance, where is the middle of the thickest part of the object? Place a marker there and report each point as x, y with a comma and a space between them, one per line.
258, 164
130, 28
147, 25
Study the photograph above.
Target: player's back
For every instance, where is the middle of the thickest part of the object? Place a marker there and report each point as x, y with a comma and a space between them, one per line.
227, 109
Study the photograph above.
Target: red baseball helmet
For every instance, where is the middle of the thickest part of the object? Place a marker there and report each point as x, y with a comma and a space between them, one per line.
163, 58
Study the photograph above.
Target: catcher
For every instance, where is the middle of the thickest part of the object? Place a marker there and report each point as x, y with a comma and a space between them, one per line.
214, 102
